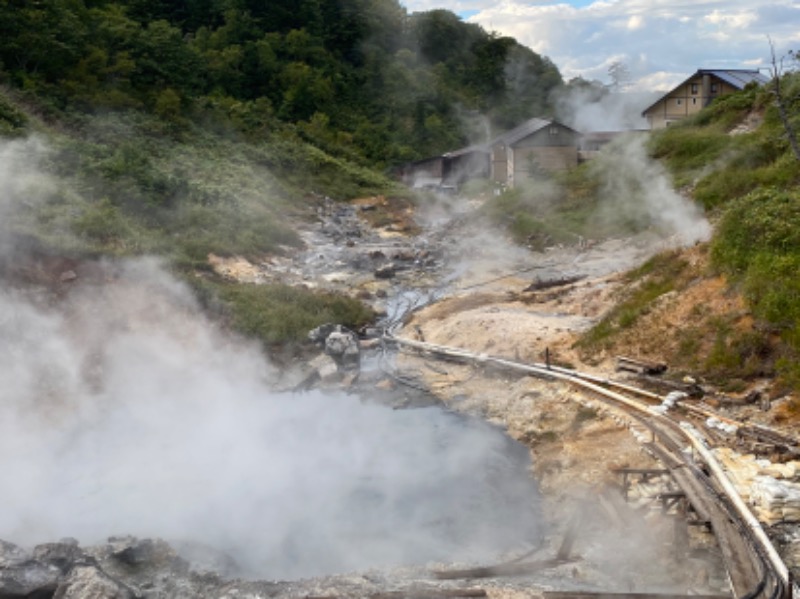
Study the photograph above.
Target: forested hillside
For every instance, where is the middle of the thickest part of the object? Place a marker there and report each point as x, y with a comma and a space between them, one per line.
188, 128
357, 77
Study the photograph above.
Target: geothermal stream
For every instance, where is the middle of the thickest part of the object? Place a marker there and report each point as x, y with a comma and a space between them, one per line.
131, 414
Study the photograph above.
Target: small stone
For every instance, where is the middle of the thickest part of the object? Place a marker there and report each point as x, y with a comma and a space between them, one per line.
386, 272
67, 275
385, 385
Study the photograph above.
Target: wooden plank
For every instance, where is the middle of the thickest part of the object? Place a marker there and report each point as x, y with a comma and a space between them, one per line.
640, 366
429, 594
586, 595
648, 471
507, 569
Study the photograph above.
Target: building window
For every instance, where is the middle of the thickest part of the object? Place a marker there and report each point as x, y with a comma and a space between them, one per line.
678, 101
694, 101
553, 130
694, 88
713, 88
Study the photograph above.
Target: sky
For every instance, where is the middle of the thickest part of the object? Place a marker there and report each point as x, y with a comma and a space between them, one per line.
661, 42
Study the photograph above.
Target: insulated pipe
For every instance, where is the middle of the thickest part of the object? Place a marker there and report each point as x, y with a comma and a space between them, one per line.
688, 431
744, 512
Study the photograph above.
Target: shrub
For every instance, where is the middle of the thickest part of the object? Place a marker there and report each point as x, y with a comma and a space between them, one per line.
766, 221
758, 246
102, 223
280, 314
12, 121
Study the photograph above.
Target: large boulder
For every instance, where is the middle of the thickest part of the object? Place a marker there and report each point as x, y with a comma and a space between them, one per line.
63, 555
89, 582
340, 343
23, 576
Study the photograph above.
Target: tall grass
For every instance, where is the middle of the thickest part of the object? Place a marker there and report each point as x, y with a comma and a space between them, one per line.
126, 184
280, 314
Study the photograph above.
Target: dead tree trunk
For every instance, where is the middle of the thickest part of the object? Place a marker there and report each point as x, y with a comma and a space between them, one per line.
782, 104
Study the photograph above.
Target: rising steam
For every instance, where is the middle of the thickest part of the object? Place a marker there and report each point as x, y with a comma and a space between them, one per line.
636, 187
126, 411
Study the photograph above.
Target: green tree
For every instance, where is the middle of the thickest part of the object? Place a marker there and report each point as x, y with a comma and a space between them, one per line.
42, 39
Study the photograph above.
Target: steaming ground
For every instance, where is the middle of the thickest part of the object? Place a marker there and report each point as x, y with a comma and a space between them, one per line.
126, 412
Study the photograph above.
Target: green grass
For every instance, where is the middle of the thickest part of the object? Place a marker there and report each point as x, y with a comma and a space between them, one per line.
564, 208
644, 285
688, 150
279, 314
126, 184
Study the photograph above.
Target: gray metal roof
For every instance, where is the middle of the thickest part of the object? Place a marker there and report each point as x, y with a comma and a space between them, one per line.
482, 148
524, 130
509, 138
738, 78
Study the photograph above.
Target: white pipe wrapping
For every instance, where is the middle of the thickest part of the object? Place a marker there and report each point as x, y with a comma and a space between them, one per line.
688, 431
738, 503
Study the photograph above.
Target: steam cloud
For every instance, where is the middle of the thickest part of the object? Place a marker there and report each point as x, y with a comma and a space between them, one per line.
125, 411
583, 111
637, 187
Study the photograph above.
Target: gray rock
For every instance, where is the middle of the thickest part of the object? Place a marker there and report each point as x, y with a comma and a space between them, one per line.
386, 272
135, 552
11, 555
326, 368
342, 346
23, 576
204, 559
62, 555
89, 582
320, 334
340, 343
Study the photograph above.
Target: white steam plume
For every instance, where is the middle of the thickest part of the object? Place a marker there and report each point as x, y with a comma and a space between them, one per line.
635, 186
124, 410
585, 110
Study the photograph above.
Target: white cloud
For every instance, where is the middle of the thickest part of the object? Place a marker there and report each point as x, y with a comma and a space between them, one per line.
661, 41
738, 20
636, 22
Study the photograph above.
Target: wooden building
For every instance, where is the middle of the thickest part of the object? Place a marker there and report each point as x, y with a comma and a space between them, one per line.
697, 92
449, 170
535, 147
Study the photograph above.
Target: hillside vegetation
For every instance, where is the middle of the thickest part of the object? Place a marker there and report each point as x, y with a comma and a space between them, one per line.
733, 158
183, 129
356, 78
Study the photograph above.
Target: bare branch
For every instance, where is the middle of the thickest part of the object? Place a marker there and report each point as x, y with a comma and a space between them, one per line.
777, 71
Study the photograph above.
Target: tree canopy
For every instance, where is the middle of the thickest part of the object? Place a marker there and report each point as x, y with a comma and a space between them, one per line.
359, 76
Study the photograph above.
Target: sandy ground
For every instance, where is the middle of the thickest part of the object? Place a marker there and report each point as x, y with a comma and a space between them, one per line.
574, 444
